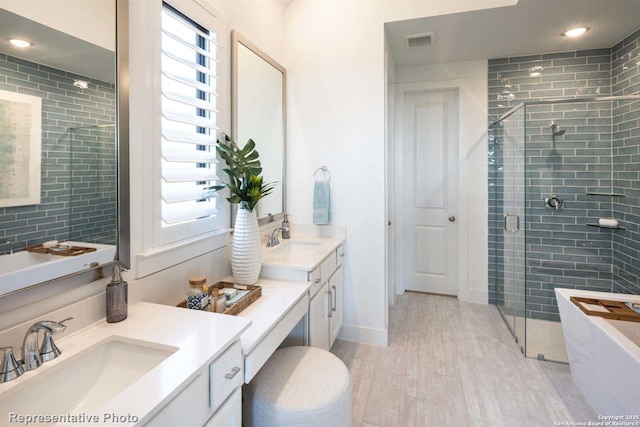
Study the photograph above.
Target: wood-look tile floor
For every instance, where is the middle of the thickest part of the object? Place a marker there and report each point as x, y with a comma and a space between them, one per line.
451, 363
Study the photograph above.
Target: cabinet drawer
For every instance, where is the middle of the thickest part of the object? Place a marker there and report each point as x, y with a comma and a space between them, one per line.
328, 266
316, 280
225, 374
340, 255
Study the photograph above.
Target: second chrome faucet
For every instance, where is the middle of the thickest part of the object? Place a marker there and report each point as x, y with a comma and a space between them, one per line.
272, 240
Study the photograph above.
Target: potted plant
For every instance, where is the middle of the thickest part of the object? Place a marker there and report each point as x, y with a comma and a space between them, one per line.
246, 188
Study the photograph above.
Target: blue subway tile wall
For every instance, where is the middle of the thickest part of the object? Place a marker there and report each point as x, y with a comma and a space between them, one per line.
598, 155
625, 58
561, 250
78, 186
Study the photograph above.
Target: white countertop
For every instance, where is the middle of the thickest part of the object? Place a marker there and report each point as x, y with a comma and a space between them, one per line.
199, 336
306, 259
277, 298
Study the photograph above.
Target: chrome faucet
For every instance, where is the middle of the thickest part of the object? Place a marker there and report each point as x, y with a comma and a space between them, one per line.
32, 356
273, 240
7, 242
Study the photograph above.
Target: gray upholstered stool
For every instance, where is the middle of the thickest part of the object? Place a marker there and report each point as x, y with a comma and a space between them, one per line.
299, 386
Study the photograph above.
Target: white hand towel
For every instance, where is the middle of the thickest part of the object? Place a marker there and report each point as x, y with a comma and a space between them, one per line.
321, 203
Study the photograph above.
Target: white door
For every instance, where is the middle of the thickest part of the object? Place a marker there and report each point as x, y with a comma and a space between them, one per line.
430, 187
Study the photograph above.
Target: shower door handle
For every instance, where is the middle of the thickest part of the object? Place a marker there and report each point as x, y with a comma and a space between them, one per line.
511, 223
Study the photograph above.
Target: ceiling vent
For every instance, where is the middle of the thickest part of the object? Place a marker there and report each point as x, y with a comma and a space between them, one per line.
419, 40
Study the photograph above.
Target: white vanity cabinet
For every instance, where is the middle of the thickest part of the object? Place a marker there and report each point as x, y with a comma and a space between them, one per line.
317, 260
212, 398
326, 304
337, 305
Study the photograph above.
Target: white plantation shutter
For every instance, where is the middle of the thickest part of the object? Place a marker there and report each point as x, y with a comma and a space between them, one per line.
189, 62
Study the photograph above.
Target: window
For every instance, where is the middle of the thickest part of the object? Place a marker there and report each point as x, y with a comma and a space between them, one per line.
188, 126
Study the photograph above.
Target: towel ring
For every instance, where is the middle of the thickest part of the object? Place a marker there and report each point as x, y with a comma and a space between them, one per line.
322, 169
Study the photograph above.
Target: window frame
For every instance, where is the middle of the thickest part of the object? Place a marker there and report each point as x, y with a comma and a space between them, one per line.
154, 249
175, 234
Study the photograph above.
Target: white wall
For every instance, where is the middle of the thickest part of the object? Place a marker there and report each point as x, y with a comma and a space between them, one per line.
470, 78
334, 54
261, 21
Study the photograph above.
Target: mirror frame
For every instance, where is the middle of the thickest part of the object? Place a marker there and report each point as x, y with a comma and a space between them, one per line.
123, 254
123, 247
236, 39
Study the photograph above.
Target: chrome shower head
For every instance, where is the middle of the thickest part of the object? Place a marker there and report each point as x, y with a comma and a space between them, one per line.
555, 129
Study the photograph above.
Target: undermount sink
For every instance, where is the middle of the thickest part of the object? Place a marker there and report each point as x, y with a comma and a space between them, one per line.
87, 381
294, 246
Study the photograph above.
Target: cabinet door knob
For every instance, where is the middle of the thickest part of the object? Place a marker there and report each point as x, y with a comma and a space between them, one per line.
452, 218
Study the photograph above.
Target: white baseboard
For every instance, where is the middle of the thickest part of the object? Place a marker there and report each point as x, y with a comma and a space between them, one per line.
475, 296
364, 335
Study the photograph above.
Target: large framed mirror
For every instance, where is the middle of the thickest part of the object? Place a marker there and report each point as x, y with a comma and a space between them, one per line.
60, 97
258, 112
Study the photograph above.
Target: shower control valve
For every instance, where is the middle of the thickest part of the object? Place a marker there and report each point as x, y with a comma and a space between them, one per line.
554, 202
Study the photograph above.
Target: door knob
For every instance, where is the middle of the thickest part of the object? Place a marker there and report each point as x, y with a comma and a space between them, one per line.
452, 218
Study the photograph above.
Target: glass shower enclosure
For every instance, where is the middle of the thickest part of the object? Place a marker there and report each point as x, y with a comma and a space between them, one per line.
555, 169
506, 217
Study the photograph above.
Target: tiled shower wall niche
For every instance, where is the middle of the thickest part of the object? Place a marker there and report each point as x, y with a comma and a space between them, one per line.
78, 186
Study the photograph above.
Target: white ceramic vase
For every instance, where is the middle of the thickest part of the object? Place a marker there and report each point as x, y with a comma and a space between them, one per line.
246, 251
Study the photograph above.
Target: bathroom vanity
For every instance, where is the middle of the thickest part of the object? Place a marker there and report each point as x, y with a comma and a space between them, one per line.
318, 260
167, 366
162, 366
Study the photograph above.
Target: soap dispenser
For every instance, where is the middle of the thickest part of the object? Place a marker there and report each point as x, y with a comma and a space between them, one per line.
286, 232
116, 297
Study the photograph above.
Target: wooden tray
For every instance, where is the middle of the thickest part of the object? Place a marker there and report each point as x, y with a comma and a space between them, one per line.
72, 251
254, 293
616, 310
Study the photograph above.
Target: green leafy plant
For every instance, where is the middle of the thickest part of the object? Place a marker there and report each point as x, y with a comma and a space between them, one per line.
245, 182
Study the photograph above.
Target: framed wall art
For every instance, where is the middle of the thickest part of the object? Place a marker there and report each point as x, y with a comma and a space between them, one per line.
20, 149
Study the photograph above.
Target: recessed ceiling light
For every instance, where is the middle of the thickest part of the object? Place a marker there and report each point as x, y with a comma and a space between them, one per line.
575, 32
20, 43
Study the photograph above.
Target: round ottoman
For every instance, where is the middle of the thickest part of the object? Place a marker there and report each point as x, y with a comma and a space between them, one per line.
299, 386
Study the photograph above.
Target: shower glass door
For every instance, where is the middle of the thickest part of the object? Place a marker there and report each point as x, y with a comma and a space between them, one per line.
507, 210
